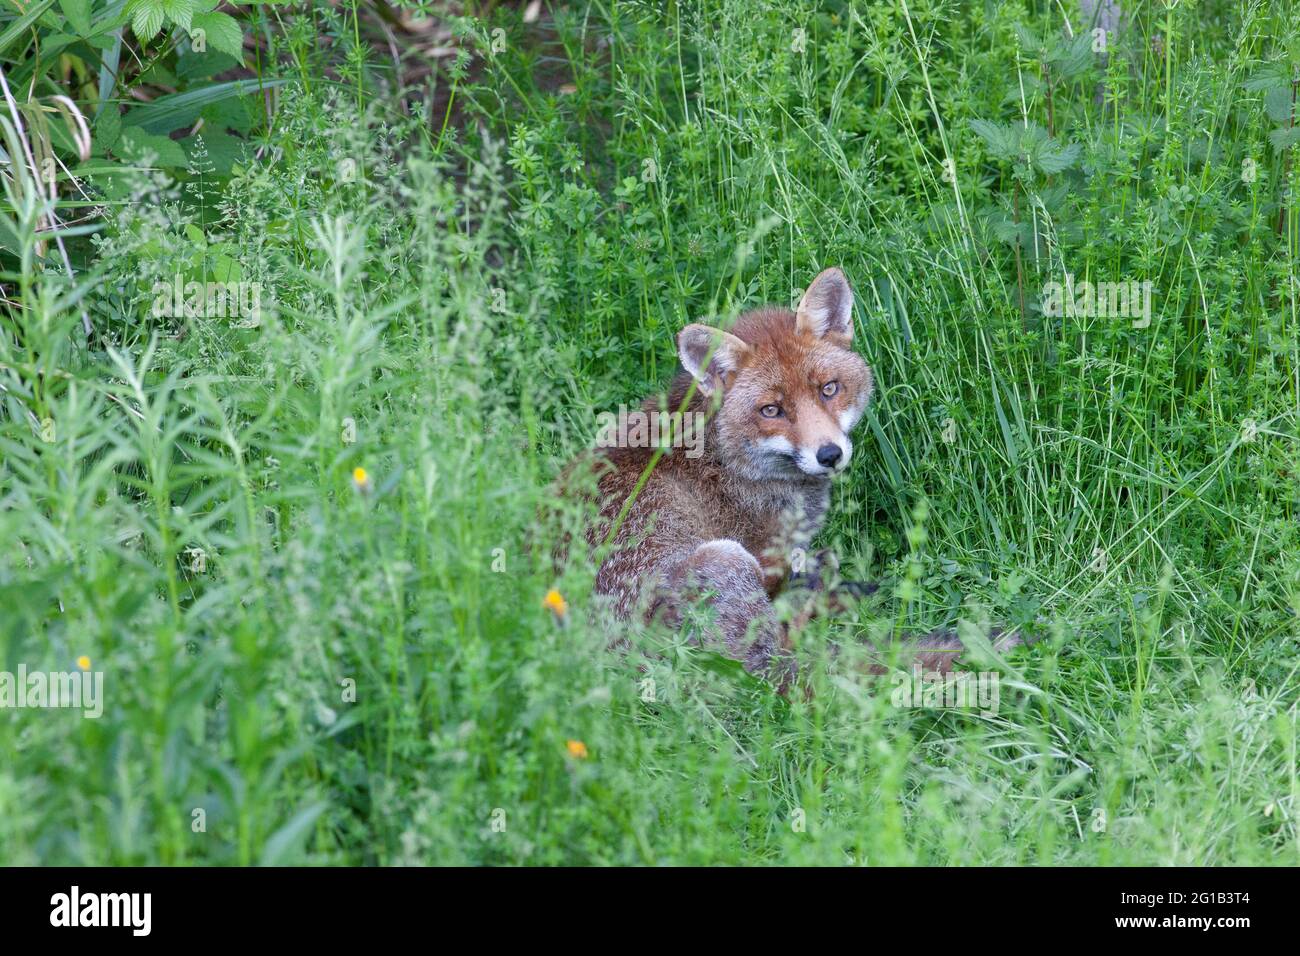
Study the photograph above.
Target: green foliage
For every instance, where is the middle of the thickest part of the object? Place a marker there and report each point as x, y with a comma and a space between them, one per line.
361, 669
156, 58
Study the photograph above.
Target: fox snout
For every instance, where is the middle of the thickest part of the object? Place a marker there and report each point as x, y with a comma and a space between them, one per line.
829, 455
827, 458
820, 445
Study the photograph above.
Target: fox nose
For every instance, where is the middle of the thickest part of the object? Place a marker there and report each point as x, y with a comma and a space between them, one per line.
829, 454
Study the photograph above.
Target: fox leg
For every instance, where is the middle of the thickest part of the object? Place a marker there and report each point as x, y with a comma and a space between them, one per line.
731, 580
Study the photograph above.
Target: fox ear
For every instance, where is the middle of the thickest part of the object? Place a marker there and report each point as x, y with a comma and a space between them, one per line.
709, 354
826, 309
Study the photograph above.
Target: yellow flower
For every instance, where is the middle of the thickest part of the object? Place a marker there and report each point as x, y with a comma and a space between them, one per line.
577, 749
83, 662
555, 603
360, 480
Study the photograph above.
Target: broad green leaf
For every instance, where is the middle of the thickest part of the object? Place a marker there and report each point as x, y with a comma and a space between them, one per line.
1017, 142
179, 12
233, 114
227, 269
158, 73
147, 20
220, 32
78, 14
1284, 138
1268, 77
1029, 41
223, 149
178, 109
1052, 157
108, 130
135, 144
288, 841
1073, 58
192, 65
1002, 140
1278, 105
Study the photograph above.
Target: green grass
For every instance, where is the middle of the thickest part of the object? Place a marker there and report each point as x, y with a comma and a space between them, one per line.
471, 296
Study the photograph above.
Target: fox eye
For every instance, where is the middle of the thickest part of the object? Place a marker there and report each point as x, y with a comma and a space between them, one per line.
830, 389
770, 411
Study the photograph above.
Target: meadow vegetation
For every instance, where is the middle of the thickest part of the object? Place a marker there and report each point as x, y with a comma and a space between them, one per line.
471, 238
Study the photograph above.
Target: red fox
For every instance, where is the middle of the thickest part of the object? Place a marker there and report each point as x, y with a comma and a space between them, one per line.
778, 396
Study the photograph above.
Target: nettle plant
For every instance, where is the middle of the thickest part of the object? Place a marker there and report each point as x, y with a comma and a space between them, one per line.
199, 20
1105, 170
1279, 83
1032, 212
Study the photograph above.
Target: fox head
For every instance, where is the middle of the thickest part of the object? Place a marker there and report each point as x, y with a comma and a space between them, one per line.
791, 386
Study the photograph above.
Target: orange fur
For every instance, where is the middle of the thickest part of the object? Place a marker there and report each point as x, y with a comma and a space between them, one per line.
724, 525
